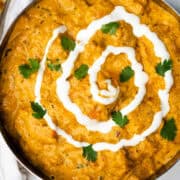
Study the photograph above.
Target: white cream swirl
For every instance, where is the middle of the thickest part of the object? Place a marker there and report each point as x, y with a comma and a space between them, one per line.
141, 78
82, 39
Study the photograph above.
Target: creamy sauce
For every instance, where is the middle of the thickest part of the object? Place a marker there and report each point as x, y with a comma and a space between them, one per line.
39, 79
83, 38
141, 79
42, 68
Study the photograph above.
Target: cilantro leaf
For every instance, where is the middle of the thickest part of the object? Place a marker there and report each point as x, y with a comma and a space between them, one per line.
126, 74
34, 65
81, 72
27, 69
67, 43
169, 130
89, 153
110, 28
54, 66
118, 118
162, 68
38, 111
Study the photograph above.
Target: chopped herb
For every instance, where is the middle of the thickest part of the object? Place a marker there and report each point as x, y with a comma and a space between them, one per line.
38, 111
126, 74
163, 67
54, 66
118, 118
110, 28
89, 153
81, 72
27, 69
34, 65
169, 130
67, 43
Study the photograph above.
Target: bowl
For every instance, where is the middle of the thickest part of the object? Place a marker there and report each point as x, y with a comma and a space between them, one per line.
16, 150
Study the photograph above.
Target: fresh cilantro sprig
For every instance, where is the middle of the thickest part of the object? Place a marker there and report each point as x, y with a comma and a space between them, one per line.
67, 43
126, 74
110, 28
27, 69
81, 72
169, 130
118, 118
89, 153
54, 66
38, 111
163, 67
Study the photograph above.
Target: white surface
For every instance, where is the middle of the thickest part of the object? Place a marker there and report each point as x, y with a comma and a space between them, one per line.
7, 162
15, 9
9, 169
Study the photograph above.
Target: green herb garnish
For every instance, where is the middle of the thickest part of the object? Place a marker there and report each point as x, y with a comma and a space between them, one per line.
169, 130
163, 67
54, 66
118, 118
110, 28
89, 153
81, 72
27, 69
126, 74
38, 111
67, 43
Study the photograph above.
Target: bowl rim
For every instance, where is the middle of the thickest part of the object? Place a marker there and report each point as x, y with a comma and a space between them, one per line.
15, 148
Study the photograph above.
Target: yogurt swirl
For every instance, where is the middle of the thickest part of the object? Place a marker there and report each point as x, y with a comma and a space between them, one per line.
141, 78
